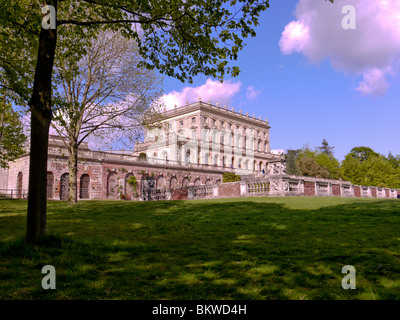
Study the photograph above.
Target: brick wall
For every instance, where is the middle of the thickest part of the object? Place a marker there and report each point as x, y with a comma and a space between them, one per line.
309, 188
336, 190
229, 190
357, 191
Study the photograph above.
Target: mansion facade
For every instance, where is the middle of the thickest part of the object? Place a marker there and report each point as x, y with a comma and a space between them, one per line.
192, 146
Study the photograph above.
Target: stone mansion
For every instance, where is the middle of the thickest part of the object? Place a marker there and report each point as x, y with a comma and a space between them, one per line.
192, 146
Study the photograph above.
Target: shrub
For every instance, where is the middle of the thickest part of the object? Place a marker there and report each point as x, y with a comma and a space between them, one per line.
230, 177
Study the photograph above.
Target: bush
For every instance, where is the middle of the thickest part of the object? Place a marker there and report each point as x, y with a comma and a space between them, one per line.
230, 177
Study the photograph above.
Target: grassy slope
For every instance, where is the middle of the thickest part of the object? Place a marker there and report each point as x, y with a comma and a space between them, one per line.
254, 248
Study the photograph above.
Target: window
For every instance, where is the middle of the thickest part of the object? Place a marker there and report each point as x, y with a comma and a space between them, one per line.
181, 122
222, 124
214, 121
205, 119
193, 119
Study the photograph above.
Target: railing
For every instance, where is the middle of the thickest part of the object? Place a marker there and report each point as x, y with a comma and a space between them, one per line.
261, 187
346, 191
365, 192
200, 192
13, 194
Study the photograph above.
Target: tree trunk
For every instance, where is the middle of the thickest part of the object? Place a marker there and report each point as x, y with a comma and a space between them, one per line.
41, 115
73, 170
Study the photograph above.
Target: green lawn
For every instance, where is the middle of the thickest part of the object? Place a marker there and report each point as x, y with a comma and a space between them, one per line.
253, 248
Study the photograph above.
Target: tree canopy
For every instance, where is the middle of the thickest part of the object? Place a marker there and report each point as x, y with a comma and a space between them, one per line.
12, 137
361, 166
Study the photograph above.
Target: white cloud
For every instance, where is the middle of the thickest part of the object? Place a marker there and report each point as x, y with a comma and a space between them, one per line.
213, 91
252, 93
371, 50
373, 83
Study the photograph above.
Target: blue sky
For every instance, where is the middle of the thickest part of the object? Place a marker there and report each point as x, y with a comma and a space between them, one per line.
322, 83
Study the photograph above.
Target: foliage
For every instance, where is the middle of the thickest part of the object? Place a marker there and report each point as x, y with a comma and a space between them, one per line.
326, 148
12, 138
310, 168
292, 167
325, 166
230, 177
363, 166
132, 181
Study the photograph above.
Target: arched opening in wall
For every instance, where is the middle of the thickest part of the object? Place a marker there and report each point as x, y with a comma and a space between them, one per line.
206, 156
165, 155
216, 160
173, 183
218, 182
197, 182
254, 165
160, 183
265, 147
187, 157
233, 162
64, 187
260, 167
112, 185
84, 187
240, 163
246, 164
19, 185
50, 184
129, 188
223, 161
185, 183
208, 182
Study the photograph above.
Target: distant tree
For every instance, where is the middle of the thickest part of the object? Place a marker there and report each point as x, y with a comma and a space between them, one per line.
310, 168
362, 153
326, 148
364, 166
393, 160
12, 138
326, 161
292, 167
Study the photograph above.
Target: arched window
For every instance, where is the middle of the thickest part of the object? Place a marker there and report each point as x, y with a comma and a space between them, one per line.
160, 183
216, 160
112, 185
173, 183
50, 184
187, 158
19, 185
64, 186
185, 183
84, 187
206, 156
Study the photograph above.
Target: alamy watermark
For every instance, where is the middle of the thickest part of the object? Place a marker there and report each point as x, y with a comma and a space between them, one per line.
349, 281
349, 20
49, 280
49, 19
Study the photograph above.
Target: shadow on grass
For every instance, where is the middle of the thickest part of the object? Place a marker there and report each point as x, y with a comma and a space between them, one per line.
207, 250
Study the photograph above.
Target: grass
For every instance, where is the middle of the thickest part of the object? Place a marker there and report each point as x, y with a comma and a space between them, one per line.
253, 248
